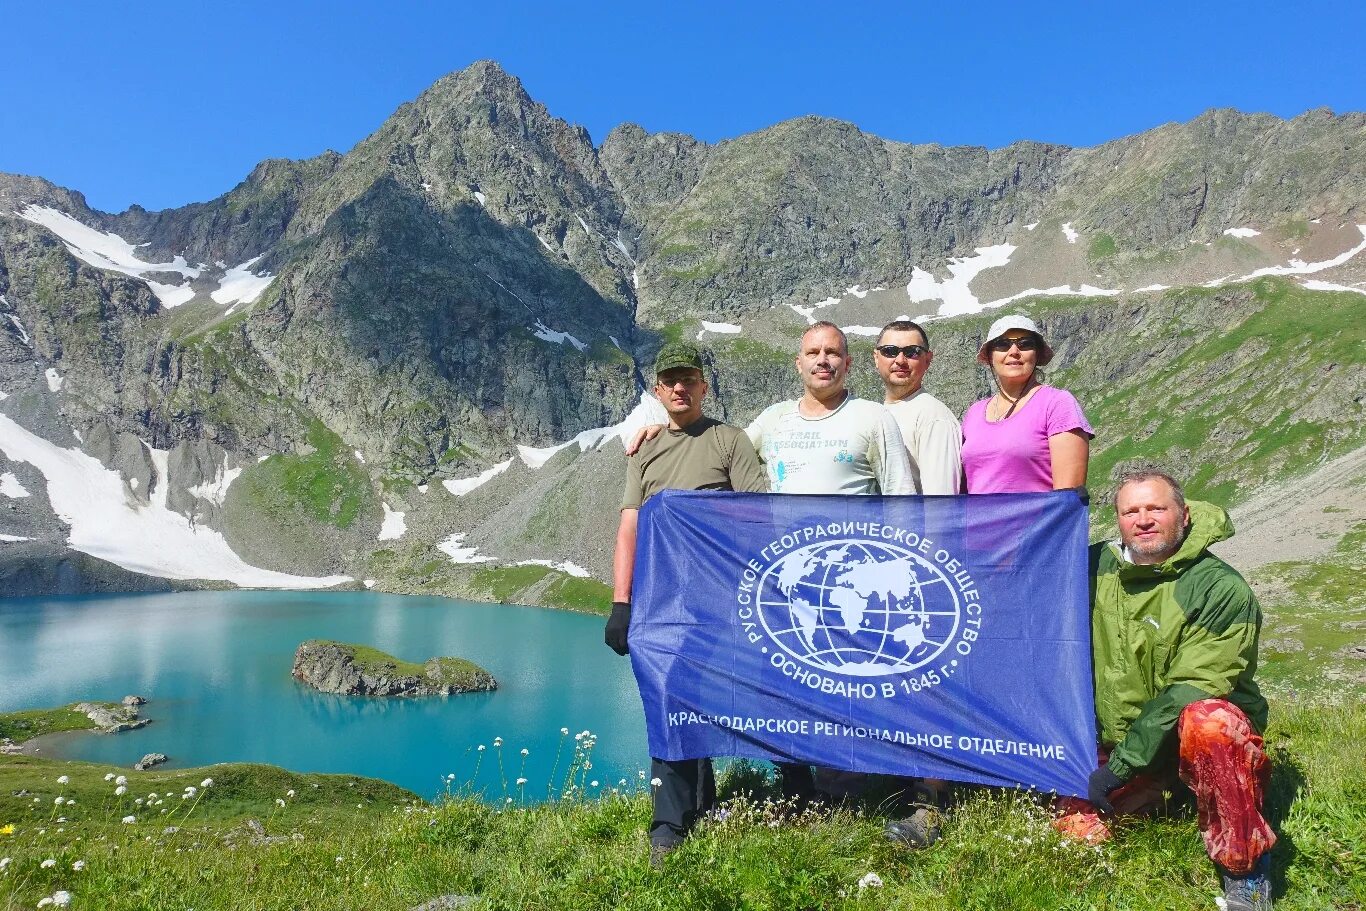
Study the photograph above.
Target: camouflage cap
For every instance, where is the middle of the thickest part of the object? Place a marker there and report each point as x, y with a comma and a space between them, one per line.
675, 355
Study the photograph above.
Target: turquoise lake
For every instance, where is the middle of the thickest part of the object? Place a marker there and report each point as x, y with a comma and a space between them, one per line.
215, 667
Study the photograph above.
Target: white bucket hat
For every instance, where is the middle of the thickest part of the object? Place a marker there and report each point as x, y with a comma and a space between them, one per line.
1015, 321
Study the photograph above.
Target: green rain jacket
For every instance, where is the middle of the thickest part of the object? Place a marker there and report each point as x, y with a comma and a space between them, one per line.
1167, 635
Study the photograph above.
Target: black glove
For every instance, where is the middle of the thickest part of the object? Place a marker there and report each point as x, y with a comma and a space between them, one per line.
1099, 786
617, 625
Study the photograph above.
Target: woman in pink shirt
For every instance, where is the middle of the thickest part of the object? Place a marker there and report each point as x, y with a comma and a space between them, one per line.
1028, 436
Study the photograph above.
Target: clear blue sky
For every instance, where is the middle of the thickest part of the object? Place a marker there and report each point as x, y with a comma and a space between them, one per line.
167, 103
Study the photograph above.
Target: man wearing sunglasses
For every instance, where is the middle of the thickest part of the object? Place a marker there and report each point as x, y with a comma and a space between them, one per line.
931, 433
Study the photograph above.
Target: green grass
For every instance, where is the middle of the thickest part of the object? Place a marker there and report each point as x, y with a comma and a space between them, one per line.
1315, 611
21, 726
584, 595
326, 485
1206, 414
510, 584
343, 843
1102, 245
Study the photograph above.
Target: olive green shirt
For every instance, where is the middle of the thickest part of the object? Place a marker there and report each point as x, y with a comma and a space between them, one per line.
705, 455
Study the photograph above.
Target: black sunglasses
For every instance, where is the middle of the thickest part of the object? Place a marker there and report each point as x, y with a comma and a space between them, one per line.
1028, 343
911, 351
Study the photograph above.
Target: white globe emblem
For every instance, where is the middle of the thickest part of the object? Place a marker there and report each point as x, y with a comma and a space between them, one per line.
858, 608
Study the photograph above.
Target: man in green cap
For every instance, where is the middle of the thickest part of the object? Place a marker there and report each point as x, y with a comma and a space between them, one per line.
693, 453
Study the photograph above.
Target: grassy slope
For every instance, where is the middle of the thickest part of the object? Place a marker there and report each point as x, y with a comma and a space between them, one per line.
21, 726
354, 843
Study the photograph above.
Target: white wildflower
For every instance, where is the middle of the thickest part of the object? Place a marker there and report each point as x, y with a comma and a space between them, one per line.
206, 783
564, 731
78, 866
191, 790
655, 782
58, 801
47, 864
70, 802
279, 801
109, 776
122, 779
593, 783
525, 751
290, 793
139, 801
129, 820
870, 880
61, 898
5, 862
63, 779
520, 782
45, 901
497, 741
481, 748
120, 790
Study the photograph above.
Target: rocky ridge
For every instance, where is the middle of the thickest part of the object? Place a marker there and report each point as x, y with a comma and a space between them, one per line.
476, 282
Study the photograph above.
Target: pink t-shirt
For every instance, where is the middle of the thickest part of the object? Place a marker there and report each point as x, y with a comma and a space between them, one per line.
1011, 456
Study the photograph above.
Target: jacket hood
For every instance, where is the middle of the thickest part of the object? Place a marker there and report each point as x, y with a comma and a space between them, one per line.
1210, 524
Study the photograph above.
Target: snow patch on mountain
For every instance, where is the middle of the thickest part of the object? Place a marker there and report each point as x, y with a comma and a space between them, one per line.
461, 486
239, 285
54, 379
10, 486
145, 538
105, 250
545, 333
1067, 231
955, 293
568, 567
718, 328
818, 305
1241, 232
1314, 284
215, 491
393, 526
454, 548
647, 411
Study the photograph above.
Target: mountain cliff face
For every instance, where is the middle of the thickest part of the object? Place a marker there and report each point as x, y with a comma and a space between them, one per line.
297, 366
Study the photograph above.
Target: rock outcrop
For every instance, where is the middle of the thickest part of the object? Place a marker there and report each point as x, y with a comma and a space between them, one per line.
151, 759
356, 670
111, 719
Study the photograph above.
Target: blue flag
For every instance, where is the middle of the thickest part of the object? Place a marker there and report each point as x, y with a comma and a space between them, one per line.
946, 637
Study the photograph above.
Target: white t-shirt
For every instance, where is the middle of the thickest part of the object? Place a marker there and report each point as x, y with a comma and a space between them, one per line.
934, 442
856, 449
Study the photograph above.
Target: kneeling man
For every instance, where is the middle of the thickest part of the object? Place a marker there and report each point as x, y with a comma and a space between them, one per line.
694, 453
1174, 636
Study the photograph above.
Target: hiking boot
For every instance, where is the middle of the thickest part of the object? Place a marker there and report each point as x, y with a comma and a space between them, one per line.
1250, 891
661, 850
919, 830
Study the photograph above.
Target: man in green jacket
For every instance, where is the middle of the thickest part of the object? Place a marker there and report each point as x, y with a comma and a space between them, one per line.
1174, 638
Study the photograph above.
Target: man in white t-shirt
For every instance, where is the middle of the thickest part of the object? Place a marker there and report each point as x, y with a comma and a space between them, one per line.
933, 436
827, 441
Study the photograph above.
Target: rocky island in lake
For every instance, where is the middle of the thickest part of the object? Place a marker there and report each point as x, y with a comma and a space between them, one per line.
358, 670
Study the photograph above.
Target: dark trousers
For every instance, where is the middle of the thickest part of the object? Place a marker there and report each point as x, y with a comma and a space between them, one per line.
686, 790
